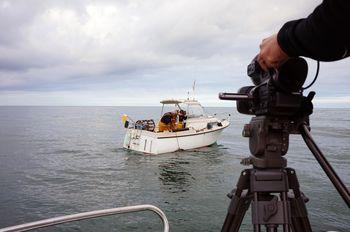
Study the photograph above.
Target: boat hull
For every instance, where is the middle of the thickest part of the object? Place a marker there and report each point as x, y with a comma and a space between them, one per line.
165, 142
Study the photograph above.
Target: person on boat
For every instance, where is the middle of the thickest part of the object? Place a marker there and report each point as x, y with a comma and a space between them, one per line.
173, 125
167, 122
324, 36
182, 119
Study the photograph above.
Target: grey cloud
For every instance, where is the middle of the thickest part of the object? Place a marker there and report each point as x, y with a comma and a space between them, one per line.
78, 45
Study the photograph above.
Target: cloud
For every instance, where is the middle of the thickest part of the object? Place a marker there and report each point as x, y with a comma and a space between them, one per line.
145, 46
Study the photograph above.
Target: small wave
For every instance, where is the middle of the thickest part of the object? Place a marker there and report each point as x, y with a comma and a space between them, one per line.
67, 151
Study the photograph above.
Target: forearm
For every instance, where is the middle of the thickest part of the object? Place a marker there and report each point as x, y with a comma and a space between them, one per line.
324, 35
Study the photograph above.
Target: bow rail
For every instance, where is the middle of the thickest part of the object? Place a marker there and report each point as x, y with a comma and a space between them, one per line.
88, 215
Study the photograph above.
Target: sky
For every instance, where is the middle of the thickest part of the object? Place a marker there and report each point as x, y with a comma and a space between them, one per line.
137, 52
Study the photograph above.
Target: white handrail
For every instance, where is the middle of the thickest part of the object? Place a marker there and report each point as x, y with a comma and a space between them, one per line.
88, 215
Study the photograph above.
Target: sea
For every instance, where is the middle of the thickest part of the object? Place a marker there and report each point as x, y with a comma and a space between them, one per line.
56, 161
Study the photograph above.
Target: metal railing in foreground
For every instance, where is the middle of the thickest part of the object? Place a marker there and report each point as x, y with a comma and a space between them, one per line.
88, 215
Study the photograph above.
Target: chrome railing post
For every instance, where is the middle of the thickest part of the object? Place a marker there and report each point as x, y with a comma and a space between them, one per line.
88, 215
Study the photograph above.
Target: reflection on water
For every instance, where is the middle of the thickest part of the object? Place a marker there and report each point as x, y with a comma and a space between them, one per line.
174, 175
179, 170
211, 155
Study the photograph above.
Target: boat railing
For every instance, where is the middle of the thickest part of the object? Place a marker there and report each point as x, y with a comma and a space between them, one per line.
88, 215
223, 116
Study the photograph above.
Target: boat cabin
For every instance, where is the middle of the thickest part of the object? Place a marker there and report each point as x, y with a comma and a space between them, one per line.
176, 119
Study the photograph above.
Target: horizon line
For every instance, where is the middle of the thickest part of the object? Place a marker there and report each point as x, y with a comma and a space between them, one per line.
315, 107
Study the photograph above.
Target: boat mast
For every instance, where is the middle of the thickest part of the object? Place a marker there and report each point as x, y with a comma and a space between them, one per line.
193, 89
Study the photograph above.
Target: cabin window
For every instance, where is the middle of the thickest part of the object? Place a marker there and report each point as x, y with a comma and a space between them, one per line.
194, 111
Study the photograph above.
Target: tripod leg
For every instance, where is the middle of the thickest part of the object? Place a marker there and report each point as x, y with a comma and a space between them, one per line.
239, 204
284, 199
256, 226
300, 220
237, 209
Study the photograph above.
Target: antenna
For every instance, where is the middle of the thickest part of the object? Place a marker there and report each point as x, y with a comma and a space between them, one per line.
193, 89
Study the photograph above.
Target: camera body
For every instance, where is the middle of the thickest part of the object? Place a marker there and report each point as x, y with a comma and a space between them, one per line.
276, 99
267, 100
275, 92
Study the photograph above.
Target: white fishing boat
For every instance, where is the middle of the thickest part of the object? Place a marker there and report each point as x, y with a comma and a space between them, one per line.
193, 128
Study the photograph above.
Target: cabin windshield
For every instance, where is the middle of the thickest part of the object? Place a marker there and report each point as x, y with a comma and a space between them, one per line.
193, 110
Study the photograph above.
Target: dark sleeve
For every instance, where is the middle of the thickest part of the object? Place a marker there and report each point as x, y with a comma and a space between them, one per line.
324, 35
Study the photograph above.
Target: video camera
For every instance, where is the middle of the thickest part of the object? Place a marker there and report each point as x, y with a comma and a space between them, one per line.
277, 101
275, 92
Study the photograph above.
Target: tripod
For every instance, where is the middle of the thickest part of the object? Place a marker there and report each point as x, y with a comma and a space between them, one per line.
270, 187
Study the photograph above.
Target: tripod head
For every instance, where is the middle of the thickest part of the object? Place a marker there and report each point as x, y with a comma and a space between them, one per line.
277, 101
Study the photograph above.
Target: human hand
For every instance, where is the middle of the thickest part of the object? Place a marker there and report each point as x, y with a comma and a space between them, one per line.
271, 55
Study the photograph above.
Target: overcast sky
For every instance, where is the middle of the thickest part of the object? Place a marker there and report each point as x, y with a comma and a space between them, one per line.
140, 51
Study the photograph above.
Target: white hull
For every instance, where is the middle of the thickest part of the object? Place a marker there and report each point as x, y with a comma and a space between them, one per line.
164, 142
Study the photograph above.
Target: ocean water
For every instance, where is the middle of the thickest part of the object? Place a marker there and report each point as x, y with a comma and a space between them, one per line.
61, 160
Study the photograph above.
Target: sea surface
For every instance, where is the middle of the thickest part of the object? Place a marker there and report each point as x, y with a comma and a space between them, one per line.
62, 160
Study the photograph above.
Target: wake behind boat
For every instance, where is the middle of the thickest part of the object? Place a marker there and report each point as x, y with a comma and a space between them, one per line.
186, 127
